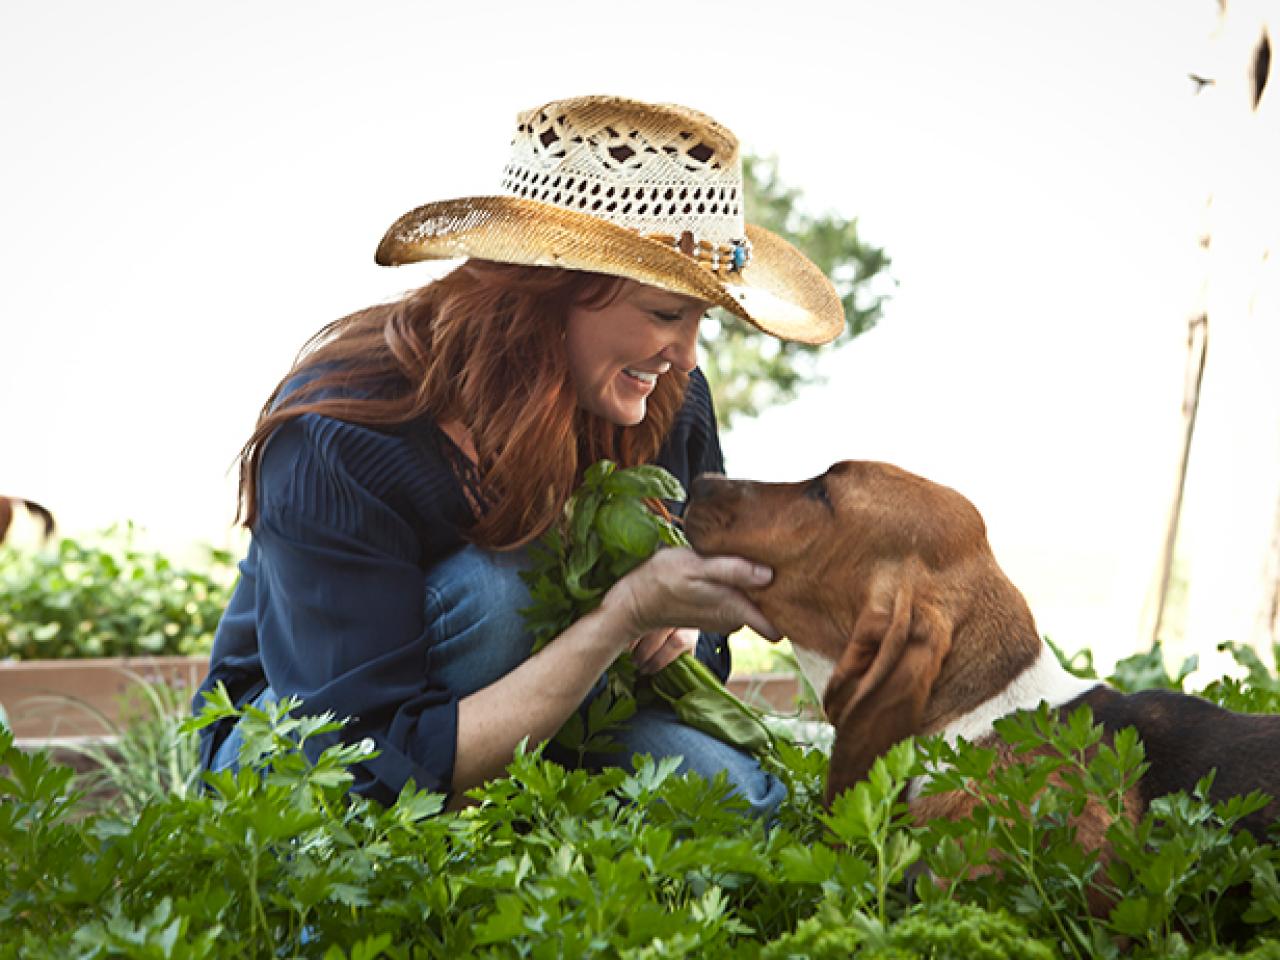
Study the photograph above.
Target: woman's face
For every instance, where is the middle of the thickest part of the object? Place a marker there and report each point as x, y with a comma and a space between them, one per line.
618, 352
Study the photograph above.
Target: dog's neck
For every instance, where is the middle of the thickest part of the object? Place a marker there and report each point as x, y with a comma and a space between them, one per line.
1044, 680
997, 664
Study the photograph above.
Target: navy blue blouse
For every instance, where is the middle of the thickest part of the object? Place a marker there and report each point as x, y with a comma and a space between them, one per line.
330, 602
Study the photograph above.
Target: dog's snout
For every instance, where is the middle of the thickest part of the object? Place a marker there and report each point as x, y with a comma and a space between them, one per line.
710, 509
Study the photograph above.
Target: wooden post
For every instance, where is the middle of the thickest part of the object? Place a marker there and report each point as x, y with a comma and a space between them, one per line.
1197, 344
1227, 523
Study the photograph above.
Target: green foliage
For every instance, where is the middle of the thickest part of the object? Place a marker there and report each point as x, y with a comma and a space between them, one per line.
1257, 691
608, 530
108, 600
1019, 844
278, 860
749, 370
1256, 688
1147, 671
943, 931
147, 753
1181, 877
962, 931
1144, 670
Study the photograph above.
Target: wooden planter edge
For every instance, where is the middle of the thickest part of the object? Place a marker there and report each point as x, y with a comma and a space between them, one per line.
51, 699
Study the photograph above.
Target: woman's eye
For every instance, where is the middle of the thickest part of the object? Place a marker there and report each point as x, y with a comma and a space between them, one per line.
676, 316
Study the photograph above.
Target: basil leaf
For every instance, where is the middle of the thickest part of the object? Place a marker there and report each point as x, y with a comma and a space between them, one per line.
582, 512
646, 480
585, 554
597, 472
671, 535
629, 526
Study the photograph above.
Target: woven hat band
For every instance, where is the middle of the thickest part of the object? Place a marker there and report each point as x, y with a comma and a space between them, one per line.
719, 258
666, 174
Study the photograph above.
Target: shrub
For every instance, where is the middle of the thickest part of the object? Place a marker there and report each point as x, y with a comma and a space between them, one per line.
110, 599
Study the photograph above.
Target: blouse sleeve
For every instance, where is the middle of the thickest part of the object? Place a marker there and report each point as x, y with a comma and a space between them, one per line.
340, 600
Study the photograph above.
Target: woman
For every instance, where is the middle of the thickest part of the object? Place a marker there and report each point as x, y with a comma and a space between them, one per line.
416, 446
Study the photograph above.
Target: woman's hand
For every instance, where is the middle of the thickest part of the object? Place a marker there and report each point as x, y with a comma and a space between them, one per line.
679, 588
644, 612
655, 650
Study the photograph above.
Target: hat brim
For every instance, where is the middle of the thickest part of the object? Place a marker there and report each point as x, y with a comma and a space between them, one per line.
780, 291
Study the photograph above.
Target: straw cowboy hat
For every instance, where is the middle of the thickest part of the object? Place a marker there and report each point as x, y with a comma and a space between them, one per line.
652, 192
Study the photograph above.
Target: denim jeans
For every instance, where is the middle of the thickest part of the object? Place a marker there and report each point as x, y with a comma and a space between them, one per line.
476, 635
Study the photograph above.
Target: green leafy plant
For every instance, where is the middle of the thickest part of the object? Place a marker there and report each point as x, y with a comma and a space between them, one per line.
110, 599
146, 753
943, 931
1257, 691
280, 860
608, 530
1144, 670
1019, 845
872, 820
1179, 876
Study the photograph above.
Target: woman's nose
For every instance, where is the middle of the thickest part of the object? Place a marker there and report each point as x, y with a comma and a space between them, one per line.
682, 351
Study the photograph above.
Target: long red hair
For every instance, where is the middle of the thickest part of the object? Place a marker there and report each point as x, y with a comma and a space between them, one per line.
483, 345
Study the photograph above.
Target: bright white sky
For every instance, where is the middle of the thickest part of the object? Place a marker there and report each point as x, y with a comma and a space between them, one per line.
187, 192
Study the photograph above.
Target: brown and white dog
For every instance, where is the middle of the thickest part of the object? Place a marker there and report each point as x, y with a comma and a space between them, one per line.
898, 612
7, 506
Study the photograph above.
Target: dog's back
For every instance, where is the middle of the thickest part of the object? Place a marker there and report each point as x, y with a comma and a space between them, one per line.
1186, 737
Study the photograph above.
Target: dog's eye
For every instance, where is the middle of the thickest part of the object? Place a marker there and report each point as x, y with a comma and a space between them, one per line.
817, 490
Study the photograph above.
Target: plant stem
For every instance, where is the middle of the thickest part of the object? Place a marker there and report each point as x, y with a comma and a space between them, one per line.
1029, 871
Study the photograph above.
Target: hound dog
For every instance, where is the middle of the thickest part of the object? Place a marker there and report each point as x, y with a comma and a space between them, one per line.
899, 614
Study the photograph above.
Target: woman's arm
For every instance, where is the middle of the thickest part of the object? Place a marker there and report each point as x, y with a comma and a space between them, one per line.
339, 611
674, 588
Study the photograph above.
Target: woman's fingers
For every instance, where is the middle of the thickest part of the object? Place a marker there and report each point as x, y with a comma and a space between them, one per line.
728, 577
722, 581
655, 650
735, 572
676, 587
746, 614
648, 645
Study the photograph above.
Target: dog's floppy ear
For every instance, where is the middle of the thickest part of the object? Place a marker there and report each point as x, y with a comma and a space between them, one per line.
878, 690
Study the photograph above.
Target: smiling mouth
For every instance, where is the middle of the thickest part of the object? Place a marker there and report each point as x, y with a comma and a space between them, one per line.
641, 376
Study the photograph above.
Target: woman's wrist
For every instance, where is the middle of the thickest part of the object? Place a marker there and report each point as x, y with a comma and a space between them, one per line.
618, 618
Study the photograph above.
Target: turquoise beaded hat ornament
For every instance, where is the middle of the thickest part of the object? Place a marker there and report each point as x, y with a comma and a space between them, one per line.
652, 192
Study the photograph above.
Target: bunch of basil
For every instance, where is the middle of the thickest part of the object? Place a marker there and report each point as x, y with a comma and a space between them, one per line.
608, 529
